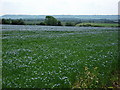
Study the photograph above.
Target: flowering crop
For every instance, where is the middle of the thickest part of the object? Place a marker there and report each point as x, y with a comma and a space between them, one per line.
63, 57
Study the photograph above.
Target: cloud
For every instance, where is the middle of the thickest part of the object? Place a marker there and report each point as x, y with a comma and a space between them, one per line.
59, 6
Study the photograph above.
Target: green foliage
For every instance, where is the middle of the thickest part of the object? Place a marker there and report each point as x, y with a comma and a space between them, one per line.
13, 21
97, 25
18, 22
89, 80
42, 23
59, 23
59, 59
6, 21
50, 20
69, 24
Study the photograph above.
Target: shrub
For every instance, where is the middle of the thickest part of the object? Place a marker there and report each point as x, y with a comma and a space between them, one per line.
69, 24
59, 23
42, 23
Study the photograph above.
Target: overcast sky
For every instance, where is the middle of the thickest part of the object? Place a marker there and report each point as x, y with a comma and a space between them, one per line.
59, 7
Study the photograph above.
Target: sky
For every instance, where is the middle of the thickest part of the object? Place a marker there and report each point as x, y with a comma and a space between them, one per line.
59, 7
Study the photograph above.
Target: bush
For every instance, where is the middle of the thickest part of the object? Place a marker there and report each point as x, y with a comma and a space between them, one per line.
42, 23
69, 24
59, 23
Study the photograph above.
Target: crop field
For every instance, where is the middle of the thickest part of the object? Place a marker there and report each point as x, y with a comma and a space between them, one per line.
98, 24
59, 57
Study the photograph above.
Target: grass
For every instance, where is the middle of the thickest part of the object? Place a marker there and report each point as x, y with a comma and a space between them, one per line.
98, 24
59, 59
32, 22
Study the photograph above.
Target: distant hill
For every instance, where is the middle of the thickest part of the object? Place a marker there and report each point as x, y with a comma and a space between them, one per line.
83, 17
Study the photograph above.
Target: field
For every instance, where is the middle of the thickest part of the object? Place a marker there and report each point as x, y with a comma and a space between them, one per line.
59, 57
98, 24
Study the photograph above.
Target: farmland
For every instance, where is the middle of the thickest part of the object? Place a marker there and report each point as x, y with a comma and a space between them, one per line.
59, 57
98, 24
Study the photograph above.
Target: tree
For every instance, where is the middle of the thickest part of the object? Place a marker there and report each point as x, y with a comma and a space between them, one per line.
6, 21
18, 22
50, 20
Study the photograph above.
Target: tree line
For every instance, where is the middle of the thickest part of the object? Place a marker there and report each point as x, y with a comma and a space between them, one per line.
13, 22
49, 21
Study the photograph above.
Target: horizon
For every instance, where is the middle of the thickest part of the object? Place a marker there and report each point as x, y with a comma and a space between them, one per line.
56, 14
61, 16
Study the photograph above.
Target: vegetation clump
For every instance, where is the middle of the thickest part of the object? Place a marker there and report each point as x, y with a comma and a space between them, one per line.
13, 21
6, 21
97, 25
42, 23
69, 24
50, 20
18, 22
